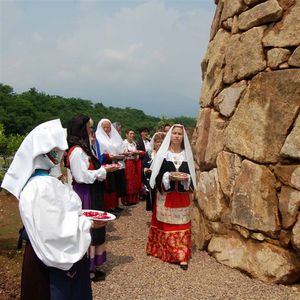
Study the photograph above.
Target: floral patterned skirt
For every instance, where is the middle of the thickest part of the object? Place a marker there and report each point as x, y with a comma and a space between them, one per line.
169, 242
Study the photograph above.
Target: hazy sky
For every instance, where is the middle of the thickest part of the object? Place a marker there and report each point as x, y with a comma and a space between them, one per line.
126, 53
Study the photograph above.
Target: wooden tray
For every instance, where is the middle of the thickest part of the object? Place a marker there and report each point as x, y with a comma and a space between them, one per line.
118, 157
178, 176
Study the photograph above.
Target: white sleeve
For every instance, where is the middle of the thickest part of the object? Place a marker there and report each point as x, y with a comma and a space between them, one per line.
102, 174
52, 215
166, 180
186, 183
79, 164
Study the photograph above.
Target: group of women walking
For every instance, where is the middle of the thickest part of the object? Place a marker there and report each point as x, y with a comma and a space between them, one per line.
64, 249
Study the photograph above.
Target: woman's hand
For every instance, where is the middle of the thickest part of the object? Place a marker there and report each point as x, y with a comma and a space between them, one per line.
147, 170
110, 168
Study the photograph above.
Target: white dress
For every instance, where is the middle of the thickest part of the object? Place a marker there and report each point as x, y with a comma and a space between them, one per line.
52, 215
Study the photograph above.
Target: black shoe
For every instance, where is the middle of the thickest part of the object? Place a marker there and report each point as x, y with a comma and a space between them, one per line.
184, 266
119, 209
100, 273
97, 276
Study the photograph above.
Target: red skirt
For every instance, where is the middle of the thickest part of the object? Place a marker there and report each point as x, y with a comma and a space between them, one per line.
133, 169
170, 242
110, 200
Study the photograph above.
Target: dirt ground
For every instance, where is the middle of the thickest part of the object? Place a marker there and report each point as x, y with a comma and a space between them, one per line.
126, 240
10, 257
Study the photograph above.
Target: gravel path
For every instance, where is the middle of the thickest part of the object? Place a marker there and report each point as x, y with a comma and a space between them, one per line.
131, 274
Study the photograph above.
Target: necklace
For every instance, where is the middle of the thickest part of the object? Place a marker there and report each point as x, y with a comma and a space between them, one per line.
175, 151
177, 160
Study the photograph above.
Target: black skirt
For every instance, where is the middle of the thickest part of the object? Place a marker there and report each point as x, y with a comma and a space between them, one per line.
120, 182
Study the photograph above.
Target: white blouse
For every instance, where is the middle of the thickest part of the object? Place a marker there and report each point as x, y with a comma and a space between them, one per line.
79, 165
177, 159
129, 146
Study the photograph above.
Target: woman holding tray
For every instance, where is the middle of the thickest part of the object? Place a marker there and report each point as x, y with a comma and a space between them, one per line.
111, 144
88, 182
57, 234
173, 174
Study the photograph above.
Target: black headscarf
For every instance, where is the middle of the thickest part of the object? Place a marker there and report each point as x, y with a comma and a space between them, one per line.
77, 135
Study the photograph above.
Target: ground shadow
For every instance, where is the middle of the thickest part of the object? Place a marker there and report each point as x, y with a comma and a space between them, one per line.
116, 260
110, 238
126, 212
7, 244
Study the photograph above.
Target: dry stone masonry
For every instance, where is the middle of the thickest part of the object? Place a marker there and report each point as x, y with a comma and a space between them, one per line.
247, 140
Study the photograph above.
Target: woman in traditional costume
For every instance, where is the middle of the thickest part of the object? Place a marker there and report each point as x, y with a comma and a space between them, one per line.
133, 169
88, 177
170, 231
57, 234
111, 144
155, 143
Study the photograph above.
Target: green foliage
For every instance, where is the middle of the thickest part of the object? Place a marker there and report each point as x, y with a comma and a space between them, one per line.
3, 140
186, 121
13, 143
20, 113
8, 147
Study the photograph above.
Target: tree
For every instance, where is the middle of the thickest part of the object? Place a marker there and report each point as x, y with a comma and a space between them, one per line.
8, 147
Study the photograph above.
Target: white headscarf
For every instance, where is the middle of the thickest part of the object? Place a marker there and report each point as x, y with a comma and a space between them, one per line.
161, 155
152, 142
40, 140
112, 143
50, 211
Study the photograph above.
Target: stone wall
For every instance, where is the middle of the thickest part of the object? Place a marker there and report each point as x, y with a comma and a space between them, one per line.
247, 140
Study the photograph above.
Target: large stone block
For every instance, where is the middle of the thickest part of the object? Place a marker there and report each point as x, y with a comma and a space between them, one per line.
289, 203
209, 195
244, 55
231, 8
254, 203
286, 32
296, 235
216, 24
208, 138
227, 100
200, 234
259, 259
289, 175
277, 56
294, 60
291, 147
264, 115
228, 166
263, 13
286, 4
253, 2
212, 68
